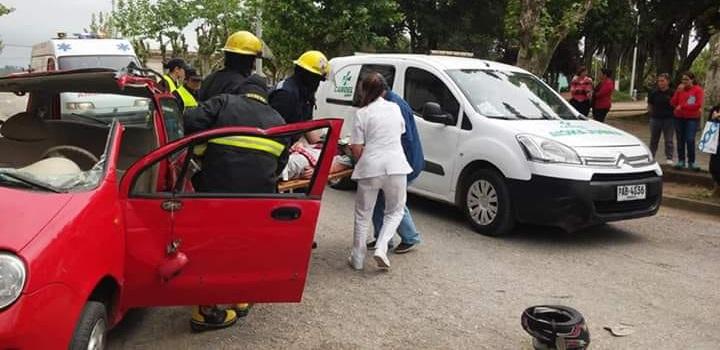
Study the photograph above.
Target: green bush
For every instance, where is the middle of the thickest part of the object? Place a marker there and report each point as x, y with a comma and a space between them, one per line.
621, 96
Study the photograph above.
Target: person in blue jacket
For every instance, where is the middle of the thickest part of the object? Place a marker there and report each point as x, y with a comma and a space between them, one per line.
409, 235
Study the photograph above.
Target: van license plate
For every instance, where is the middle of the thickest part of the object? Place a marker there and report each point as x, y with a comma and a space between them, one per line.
631, 192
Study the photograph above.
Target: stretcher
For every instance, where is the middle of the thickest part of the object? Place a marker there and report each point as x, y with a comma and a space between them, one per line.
290, 185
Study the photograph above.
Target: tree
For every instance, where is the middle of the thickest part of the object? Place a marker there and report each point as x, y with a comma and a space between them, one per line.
538, 27
609, 28
334, 27
4, 10
134, 20
666, 22
464, 25
216, 20
101, 23
712, 77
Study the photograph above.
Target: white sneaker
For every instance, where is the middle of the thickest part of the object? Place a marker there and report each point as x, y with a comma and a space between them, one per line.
356, 267
382, 261
669, 162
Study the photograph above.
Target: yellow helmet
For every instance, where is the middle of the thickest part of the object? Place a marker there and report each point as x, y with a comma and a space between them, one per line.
244, 43
315, 62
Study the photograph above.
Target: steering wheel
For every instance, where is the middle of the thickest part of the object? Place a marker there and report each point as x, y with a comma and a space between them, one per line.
65, 149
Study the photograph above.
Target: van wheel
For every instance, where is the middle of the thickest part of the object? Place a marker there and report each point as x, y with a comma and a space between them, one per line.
344, 184
486, 203
92, 328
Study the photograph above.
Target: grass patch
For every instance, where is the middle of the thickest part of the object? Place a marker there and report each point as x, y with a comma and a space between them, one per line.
621, 96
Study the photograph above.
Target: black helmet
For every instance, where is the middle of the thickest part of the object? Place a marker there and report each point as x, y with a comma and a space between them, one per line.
556, 327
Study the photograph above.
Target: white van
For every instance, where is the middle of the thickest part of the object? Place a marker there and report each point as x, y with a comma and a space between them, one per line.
503, 146
82, 53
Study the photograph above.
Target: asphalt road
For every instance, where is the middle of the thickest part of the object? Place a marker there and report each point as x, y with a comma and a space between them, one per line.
461, 290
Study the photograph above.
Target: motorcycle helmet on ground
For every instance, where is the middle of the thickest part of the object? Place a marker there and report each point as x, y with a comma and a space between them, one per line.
556, 327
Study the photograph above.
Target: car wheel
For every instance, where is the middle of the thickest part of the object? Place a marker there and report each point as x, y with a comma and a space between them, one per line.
92, 328
486, 203
344, 184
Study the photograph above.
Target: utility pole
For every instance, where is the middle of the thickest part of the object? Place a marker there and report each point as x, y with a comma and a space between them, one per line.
635, 51
258, 32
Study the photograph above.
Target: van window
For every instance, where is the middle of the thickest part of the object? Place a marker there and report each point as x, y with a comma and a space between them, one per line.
50, 65
387, 71
422, 86
81, 62
342, 86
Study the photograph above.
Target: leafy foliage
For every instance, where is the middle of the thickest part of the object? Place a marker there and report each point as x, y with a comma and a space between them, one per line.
4, 10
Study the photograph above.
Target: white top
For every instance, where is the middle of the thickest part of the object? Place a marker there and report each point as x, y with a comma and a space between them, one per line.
379, 127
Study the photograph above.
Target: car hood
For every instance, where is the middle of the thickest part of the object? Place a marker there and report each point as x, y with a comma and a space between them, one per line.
576, 133
23, 214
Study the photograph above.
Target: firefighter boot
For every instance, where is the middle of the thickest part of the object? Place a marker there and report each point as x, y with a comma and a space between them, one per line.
211, 317
242, 309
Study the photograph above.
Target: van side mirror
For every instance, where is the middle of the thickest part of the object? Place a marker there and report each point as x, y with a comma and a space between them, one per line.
433, 113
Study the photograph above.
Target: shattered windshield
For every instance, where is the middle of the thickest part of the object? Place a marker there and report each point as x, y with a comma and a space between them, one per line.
54, 175
510, 95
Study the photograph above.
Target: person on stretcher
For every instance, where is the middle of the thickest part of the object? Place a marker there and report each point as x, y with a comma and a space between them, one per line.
304, 157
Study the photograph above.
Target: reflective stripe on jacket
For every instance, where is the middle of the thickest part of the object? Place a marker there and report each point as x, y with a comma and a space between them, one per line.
251, 142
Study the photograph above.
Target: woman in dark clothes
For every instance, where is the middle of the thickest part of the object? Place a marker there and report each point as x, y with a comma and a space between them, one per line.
715, 158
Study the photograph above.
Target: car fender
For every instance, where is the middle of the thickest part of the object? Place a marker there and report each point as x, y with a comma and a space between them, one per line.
507, 157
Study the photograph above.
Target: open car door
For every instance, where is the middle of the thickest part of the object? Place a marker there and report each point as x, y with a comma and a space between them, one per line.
185, 247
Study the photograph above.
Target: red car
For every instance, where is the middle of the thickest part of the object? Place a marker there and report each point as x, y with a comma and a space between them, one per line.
98, 214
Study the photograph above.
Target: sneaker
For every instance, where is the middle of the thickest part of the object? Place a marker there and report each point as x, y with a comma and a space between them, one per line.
242, 309
403, 248
693, 167
669, 162
371, 245
353, 266
679, 165
204, 319
382, 261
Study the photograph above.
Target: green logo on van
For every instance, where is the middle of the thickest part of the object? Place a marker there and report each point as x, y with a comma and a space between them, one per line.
576, 129
345, 85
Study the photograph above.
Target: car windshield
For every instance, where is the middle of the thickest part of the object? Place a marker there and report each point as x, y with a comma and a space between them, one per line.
103, 108
510, 95
82, 62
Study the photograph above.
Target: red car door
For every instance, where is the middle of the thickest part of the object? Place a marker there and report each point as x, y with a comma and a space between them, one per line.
185, 248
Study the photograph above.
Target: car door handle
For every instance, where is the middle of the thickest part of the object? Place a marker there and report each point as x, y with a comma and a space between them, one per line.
286, 213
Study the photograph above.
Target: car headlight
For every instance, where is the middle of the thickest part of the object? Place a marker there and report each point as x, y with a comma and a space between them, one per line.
80, 106
540, 149
141, 103
12, 278
651, 159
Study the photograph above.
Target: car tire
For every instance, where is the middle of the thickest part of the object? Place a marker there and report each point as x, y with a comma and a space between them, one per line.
344, 184
486, 203
91, 330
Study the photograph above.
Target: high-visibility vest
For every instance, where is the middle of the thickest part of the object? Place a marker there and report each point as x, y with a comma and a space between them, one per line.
188, 99
170, 82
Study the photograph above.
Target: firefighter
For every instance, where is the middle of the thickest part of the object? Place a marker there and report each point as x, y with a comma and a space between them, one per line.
186, 94
175, 75
236, 164
241, 50
294, 97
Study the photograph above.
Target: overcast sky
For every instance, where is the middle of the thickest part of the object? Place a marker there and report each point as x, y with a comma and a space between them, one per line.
36, 20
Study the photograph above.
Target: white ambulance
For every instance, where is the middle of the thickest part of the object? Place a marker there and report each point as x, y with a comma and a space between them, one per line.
503, 146
85, 52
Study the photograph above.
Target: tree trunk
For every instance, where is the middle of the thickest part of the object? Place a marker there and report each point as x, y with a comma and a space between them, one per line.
536, 60
688, 61
712, 79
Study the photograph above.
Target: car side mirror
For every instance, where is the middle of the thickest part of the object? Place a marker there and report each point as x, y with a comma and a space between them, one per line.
433, 113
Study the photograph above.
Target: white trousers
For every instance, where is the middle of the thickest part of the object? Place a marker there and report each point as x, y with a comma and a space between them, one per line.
394, 188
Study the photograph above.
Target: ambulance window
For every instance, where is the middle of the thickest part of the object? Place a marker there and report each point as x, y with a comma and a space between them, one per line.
388, 72
50, 64
173, 119
422, 86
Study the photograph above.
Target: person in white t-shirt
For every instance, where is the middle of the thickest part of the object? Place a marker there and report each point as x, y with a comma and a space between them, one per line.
381, 165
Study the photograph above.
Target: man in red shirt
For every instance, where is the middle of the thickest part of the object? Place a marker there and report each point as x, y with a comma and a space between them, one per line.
687, 101
602, 98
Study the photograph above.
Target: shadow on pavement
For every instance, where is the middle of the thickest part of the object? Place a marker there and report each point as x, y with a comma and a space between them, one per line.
591, 237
